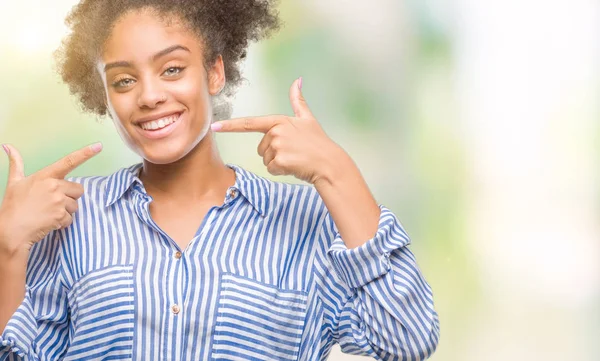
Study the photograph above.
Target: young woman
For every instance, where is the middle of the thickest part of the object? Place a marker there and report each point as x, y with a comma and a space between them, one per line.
184, 257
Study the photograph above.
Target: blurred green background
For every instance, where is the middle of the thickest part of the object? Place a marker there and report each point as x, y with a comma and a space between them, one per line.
476, 122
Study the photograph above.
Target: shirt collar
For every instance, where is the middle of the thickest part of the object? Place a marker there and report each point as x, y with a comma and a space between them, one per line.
253, 187
119, 182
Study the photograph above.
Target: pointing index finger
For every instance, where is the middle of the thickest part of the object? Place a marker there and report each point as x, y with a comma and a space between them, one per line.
64, 166
247, 124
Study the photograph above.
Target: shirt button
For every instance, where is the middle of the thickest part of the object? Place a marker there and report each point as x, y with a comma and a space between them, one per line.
232, 193
178, 255
175, 309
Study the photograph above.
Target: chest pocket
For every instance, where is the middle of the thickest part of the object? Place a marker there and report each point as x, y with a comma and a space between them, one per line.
256, 321
102, 315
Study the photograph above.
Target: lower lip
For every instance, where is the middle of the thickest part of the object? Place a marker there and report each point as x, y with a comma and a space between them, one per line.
160, 133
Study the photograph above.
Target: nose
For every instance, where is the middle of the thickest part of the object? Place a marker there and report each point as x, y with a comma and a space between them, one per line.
151, 95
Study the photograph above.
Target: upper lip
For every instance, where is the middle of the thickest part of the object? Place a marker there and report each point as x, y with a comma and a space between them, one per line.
156, 116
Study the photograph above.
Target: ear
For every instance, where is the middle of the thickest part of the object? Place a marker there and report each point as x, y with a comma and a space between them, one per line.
216, 76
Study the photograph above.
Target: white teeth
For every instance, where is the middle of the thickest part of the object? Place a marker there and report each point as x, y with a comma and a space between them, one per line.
160, 123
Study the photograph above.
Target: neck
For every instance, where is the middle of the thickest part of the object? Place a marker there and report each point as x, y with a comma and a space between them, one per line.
199, 176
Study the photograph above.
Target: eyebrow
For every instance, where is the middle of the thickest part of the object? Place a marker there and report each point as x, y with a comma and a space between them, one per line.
126, 64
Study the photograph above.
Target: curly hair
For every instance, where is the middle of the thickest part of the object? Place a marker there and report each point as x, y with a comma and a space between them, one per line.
224, 26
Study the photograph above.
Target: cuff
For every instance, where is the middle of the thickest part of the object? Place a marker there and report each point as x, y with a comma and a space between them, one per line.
361, 265
19, 333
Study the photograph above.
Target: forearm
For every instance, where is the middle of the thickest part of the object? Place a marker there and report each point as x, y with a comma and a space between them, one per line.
391, 310
349, 201
392, 315
13, 269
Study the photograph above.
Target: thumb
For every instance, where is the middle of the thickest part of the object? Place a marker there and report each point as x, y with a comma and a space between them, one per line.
299, 104
16, 170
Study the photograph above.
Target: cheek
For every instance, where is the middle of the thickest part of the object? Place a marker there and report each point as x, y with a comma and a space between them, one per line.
121, 105
192, 91
120, 109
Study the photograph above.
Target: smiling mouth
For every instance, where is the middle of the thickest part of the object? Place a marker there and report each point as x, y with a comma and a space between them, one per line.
159, 124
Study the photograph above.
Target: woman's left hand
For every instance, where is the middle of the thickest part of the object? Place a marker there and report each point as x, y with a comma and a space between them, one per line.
296, 145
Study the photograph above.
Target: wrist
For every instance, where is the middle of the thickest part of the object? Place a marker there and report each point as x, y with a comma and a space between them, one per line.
11, 250
335, 168
13, 268
12, 254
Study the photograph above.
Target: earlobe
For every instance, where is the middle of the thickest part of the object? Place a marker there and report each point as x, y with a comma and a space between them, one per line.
216, 78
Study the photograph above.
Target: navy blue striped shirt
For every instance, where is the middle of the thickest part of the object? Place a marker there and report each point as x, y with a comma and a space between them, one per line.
266, 277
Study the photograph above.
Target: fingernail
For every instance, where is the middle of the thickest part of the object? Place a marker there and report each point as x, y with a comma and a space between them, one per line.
96, 147
300, 83
6, 149
216, 127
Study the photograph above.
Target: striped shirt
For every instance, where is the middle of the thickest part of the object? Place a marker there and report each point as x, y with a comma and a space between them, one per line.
266, 277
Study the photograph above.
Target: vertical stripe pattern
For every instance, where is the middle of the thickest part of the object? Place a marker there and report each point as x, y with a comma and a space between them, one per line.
266, 277
256, 321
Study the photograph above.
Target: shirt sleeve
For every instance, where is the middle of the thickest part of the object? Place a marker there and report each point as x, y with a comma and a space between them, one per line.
376, 301
38, 330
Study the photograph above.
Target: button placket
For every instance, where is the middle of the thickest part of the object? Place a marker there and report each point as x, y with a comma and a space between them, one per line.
178, 280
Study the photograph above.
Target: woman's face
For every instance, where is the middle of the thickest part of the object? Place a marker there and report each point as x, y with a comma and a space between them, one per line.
158, 90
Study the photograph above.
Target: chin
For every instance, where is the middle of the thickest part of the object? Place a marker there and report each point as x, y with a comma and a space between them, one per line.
160, 161
159, 155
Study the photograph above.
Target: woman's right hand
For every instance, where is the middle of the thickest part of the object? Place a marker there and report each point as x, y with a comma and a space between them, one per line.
35, 205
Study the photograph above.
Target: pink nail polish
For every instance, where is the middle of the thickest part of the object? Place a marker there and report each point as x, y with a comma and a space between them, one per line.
216, 127
300, 83
97, 147
6, 149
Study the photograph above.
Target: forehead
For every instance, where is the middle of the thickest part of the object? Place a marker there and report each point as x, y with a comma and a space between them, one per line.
139, 34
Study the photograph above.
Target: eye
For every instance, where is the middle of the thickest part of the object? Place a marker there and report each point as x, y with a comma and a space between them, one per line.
123, 83
172, 71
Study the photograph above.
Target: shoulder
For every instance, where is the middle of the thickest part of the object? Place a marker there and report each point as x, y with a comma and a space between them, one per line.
283, 199
90, 183
93, 186
292, 194
98, 188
